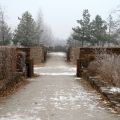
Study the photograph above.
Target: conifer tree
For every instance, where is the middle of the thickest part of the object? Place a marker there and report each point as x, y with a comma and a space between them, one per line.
25, 34
82, 32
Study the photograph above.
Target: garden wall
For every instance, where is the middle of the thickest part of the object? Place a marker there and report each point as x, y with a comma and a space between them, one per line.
86, 55
38, 54
12, 63
90, 53
76, 53
73, 54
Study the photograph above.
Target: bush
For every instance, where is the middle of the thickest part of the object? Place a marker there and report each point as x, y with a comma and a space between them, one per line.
93, 68
108, 67
7, 63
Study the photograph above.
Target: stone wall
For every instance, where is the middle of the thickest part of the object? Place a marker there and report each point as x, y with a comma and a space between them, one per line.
88, 53
9, 63
74, 54
106, 90
38, 54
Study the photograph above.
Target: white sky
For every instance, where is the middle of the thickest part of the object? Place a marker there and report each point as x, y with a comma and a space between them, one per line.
60, 15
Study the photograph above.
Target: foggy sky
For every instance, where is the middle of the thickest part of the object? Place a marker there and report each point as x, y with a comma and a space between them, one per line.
60, 15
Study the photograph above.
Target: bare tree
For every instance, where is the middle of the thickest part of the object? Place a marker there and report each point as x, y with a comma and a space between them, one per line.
5, 33
39, 27
44, 33
115, 24
47, 37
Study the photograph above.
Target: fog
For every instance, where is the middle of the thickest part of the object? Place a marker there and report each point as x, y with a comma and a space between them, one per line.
60, 15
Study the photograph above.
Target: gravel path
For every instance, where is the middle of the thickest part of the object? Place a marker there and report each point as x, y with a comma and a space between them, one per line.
55, 95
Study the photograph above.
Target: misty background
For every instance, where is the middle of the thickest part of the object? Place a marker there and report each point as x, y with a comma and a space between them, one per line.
59, 16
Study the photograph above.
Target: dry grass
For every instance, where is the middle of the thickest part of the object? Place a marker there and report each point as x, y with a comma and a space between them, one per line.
108, 67
7, 63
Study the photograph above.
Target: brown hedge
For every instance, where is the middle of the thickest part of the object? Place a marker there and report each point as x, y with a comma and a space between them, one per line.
7, 63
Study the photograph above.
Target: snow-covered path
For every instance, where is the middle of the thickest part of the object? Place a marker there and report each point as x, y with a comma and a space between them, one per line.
55, 95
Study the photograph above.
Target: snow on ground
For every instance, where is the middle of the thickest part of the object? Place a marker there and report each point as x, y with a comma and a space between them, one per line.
62, 54
115, 89
60, 70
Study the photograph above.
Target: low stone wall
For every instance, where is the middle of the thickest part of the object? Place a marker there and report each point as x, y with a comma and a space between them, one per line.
104, 89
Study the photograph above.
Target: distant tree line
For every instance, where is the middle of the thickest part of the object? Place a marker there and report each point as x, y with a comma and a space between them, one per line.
29, 32
97, 32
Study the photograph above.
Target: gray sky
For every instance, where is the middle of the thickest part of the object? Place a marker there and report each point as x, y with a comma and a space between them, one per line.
60, 15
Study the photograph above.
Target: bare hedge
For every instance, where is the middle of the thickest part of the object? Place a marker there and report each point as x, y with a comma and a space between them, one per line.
108, 67
7, 63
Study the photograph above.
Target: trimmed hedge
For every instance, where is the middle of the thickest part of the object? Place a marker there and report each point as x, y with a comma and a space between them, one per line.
7, 64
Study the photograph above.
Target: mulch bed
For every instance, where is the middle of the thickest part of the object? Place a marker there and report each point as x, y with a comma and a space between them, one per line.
12, 88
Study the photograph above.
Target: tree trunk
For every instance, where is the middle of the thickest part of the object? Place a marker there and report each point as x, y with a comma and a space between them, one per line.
82, 42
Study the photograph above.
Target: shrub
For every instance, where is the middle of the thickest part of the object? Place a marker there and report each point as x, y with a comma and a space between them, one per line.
108, 67
7, 63
93, 68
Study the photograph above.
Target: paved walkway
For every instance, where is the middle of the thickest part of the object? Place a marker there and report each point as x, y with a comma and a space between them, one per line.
55, 95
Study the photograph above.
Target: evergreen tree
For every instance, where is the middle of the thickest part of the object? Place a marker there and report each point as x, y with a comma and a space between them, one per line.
82, 32
70, 41
98, 31
26, 31
111, 30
